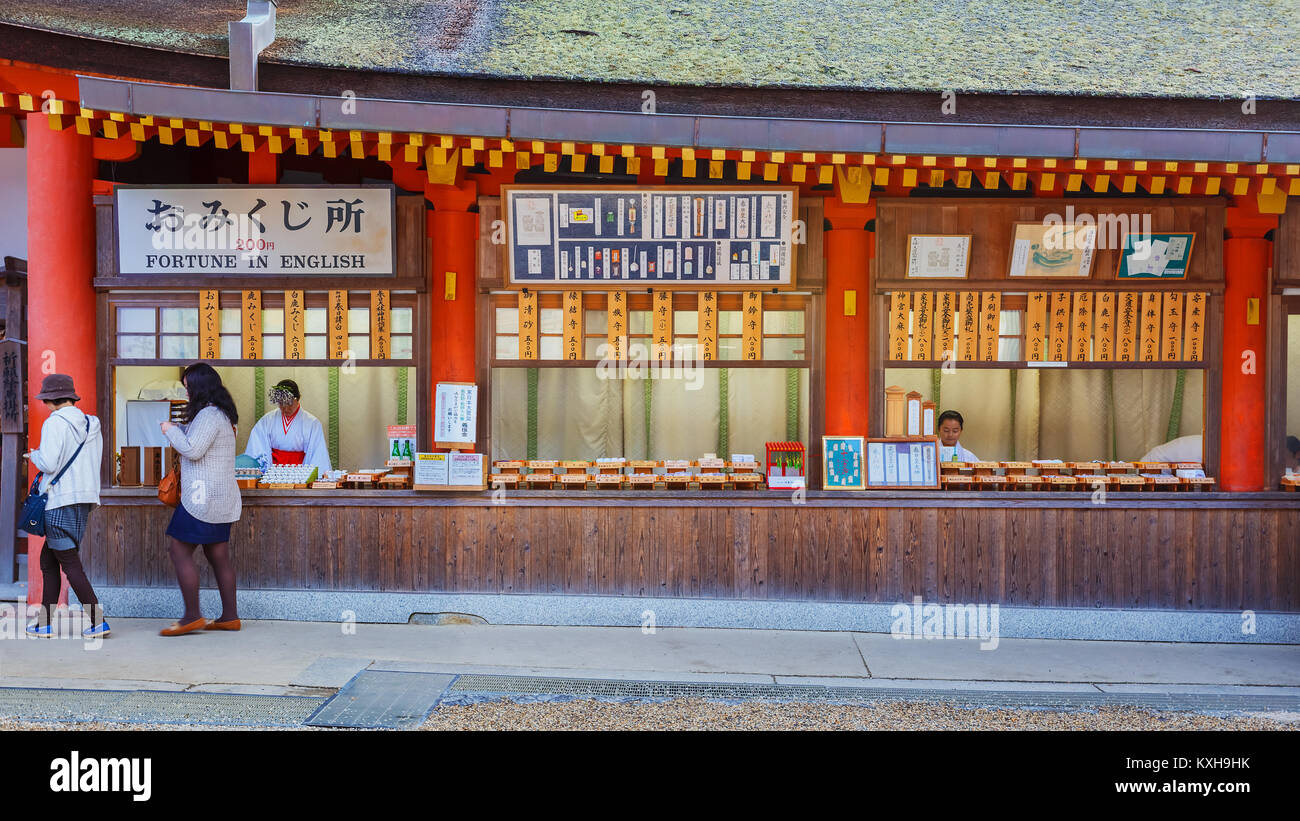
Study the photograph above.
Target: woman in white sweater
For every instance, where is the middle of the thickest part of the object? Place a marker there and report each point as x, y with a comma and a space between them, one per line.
70, 442
210, 499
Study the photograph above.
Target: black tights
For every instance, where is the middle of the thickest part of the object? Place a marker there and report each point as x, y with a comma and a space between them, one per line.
187, 575
69, 561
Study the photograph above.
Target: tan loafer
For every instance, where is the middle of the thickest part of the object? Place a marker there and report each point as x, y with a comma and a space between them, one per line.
178, 629
232, 624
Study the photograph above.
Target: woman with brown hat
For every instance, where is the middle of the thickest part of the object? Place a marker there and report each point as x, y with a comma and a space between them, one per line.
68, 459
210, 499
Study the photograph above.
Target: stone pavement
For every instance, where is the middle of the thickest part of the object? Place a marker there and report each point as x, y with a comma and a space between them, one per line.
282, 657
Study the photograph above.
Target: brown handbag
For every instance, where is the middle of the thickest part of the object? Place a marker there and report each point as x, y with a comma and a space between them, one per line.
169, 489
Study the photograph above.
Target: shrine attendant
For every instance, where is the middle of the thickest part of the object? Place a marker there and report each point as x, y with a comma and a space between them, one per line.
950, 428
288, 435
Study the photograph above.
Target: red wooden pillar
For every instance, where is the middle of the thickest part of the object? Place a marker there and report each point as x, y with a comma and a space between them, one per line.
848, 247
263, 166
1243, 449
60, 292
453, 229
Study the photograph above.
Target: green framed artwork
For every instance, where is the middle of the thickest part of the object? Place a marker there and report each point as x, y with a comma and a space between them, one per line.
842, 463
1155, 256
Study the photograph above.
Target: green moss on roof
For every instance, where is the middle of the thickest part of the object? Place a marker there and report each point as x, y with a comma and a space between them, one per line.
1196, 48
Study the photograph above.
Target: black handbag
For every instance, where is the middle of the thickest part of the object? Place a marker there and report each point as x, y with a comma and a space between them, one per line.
32, 520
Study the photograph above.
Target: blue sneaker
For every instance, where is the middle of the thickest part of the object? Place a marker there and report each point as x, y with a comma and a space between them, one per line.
43, 631
99, 631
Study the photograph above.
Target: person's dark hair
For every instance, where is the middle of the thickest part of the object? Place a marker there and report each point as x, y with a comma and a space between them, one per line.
950, 415
205, 388
291, 386
1293, 445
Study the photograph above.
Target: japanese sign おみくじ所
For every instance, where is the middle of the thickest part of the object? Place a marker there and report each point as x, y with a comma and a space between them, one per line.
257, 230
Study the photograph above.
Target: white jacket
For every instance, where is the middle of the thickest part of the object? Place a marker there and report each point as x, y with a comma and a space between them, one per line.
60, 435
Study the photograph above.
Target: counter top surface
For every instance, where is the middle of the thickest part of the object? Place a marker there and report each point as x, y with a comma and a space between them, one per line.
735, 498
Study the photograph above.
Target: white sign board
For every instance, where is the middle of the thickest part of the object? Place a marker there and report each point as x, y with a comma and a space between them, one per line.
431, 468
254, 230
455, 410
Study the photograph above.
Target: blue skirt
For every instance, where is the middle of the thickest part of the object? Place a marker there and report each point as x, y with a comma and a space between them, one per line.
184, 527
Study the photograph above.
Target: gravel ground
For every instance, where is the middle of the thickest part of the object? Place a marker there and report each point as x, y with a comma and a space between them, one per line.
701, 714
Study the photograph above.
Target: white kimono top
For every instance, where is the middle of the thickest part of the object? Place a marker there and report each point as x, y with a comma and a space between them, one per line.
305, 434
963, 455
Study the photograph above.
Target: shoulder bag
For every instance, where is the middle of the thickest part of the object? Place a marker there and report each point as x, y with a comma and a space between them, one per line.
32, 520
169, 489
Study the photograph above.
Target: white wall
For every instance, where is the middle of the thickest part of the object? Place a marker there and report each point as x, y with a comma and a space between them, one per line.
13, 202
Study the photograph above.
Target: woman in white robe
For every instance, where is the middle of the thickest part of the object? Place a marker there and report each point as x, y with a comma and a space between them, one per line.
288, 435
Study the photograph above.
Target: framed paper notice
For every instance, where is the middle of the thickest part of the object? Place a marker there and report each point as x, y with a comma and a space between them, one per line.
912, 462
466, 471
843, 463
455, 414
938, 256
1155, 256
1052, 250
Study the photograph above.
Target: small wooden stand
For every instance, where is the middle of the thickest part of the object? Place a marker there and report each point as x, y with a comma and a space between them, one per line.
574, 481
609, 481
641, 481
746, 481
956, 482
507, 481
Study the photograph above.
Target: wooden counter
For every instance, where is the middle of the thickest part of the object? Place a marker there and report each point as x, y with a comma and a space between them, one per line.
1220, 551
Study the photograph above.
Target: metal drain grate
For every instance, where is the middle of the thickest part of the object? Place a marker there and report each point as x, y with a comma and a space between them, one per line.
612, 688
376, 699
157, 707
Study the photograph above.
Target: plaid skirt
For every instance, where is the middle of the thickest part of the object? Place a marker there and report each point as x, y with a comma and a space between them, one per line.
65, 526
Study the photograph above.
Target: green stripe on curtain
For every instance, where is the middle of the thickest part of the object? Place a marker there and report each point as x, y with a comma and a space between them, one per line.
1013, 415
792, 404
332, 437
259, 393
648, 400
1114, 432
724, 415
1176, 410
533, 373
936, 376
403, 386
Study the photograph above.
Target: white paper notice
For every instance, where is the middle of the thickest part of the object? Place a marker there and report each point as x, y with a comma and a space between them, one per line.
904, 467
533, 221
742, 218
927, 423
918, 470
875, 463
1020, 257
431, 468
455, 412
927, 460
914, 417
465, 469
767, 217
534, 260
891, 464
1177, 248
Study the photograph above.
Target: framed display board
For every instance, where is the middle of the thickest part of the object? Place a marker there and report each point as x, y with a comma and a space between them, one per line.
911, 462
455, 414
689, 236
843, 463
938, 256
1051, 250
1155, 256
